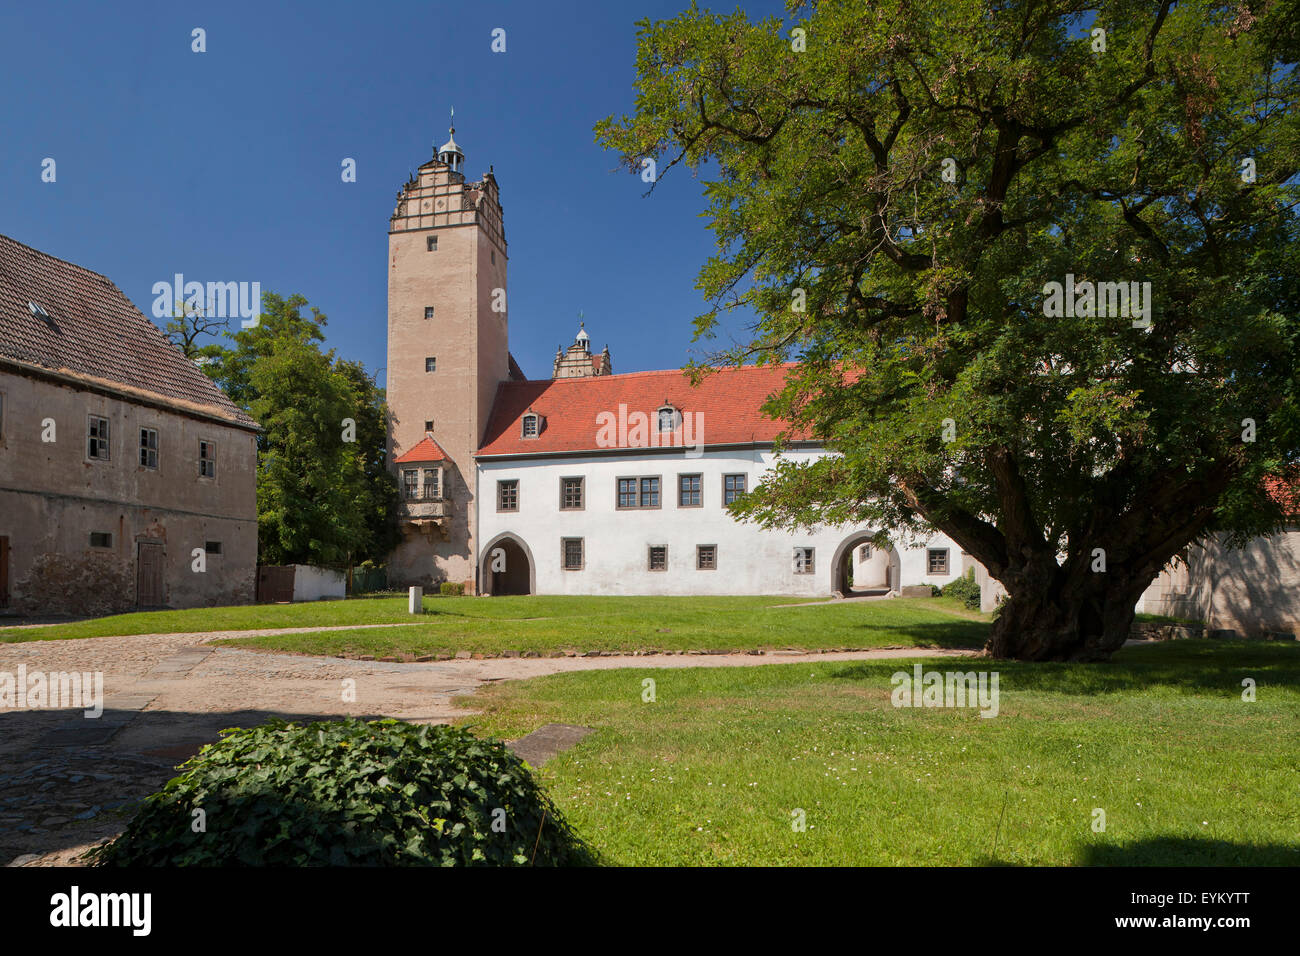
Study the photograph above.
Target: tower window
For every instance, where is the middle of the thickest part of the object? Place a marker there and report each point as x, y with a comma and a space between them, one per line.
494, 257
428, 426
428, 311
431, 244
431, 364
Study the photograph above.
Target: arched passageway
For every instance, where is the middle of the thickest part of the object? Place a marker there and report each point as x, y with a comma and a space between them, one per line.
860, 568
507, 567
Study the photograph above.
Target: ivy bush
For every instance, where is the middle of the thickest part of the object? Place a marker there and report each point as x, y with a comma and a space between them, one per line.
965, 588
349, 793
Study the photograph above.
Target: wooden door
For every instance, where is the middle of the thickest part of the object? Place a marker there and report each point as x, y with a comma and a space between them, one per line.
4, 570
149, 575
274, 584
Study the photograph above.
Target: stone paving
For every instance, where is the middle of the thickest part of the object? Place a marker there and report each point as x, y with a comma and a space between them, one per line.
68, 782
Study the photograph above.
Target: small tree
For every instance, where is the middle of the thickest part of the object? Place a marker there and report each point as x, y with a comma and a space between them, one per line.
324, 493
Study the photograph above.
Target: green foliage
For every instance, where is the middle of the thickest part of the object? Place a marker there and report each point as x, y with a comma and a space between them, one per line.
452, 588
965, 589
350, 793
324, 493
925, 295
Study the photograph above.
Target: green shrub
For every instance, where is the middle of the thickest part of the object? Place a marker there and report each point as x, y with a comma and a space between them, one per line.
349, 793
966, 589
452, 588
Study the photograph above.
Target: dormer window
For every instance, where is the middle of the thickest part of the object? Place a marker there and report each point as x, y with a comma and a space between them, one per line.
38, 311
532, 425
670, 419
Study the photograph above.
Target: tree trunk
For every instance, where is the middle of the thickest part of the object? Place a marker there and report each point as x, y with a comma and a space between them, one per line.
1058, 616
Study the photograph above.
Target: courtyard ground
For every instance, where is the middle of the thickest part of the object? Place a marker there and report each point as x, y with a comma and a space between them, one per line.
713, 768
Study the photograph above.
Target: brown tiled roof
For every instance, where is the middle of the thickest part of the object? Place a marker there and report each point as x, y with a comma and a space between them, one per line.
94, 333
729, 400
516, 373
427, 450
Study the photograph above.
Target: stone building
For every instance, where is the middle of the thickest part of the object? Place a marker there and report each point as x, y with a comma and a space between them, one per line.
515, 486
127, 478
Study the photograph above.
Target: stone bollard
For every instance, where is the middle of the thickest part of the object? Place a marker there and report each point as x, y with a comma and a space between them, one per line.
415, 601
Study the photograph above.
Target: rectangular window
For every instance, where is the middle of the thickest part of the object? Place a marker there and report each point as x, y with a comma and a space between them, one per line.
530, 426
148, 448
410, 483
658, 557
494, 257
733, 486
431, 244
571, 494
101, 539
431, 364
688, 491
638, 492
649, 492
2, 435
571, 550
938, 560
431, 489
803, 560
97, 438
508, 495
428, 426
212, 547
864, 552
706, 557
428, 311
207, 460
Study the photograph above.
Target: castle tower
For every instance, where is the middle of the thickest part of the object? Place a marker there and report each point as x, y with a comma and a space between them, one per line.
447, 352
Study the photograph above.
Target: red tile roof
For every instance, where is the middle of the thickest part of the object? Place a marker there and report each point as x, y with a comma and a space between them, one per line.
729, 402
427, 450
94, 333
1285, 493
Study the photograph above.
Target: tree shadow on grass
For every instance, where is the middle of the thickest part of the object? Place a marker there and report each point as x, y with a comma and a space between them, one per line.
955, 633
1191, 667
1187, 851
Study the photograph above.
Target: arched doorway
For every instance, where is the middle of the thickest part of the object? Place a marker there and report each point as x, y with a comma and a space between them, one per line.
861, 569
507, 567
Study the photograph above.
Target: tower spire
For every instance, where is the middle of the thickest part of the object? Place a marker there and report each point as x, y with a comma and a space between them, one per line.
449, 152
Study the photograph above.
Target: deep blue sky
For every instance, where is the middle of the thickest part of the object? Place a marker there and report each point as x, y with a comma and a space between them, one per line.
225, 165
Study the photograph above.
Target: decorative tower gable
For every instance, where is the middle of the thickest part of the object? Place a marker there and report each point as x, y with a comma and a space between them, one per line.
578, 362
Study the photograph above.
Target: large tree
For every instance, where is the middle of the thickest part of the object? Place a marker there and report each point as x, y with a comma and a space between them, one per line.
894, 185
324, 493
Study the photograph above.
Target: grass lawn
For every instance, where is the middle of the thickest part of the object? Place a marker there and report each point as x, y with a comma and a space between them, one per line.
553, 624
547, 624
1160, 739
